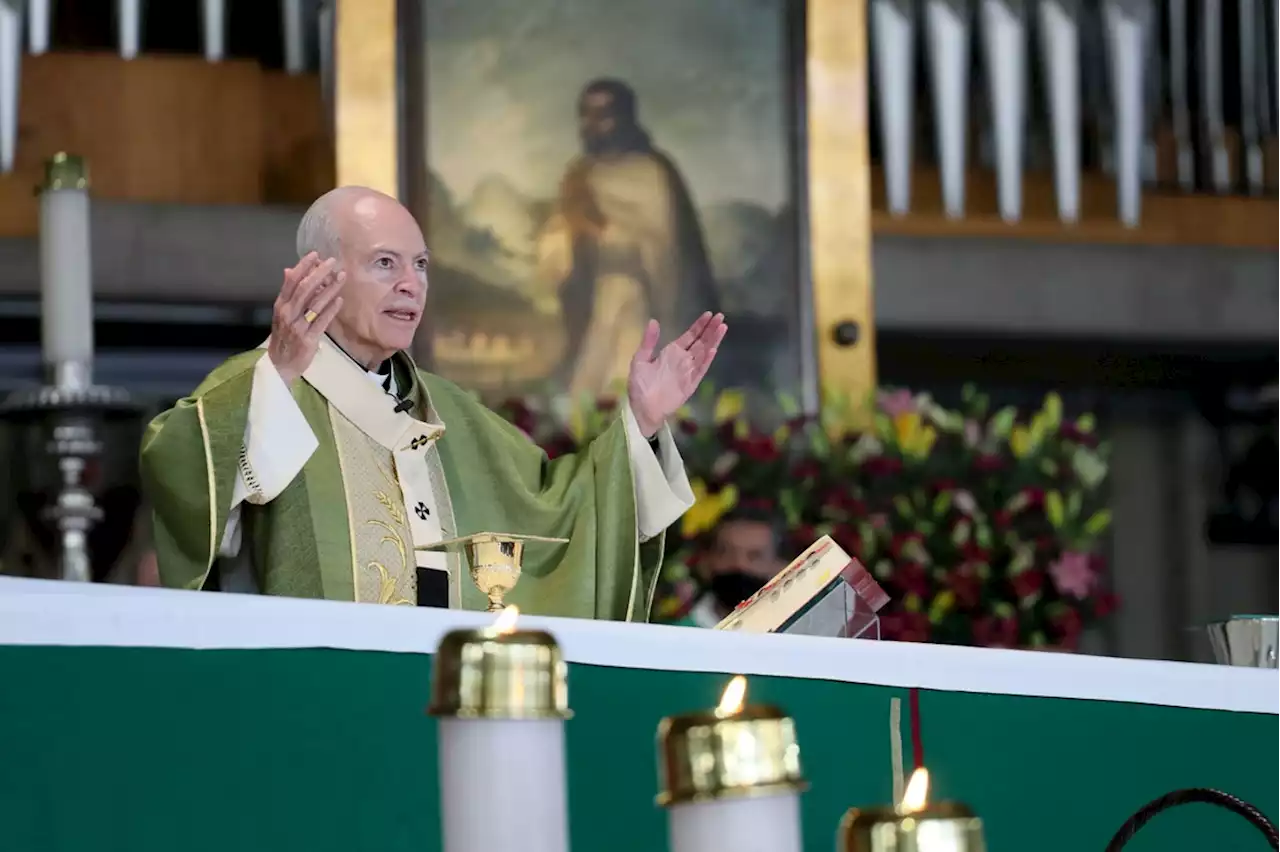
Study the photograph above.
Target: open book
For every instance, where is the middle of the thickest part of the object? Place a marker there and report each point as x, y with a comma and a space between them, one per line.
824, 592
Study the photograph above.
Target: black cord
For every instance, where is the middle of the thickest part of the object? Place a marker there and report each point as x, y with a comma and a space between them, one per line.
1184, 797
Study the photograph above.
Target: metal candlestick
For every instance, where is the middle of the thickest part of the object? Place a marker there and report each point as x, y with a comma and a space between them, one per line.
69, 409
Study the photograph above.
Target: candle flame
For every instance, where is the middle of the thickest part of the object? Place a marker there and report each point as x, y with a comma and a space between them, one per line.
506, 621
731, 699
916, 795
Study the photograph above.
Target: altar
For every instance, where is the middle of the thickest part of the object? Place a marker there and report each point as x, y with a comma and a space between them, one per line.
145, 719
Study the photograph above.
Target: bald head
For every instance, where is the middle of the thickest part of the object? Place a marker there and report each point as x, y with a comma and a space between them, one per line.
383, 261
321, 228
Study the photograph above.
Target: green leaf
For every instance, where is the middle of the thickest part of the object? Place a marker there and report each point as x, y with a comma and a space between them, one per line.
903, 505
1074, 500
1086, 423
867, 535
1098, 522
790, 407
1003, 609
961, 533
1038, 640
1089, 467
1002, 421
1049, 467
1055, 509
967, 393
983, 536
941, 503
1053, 411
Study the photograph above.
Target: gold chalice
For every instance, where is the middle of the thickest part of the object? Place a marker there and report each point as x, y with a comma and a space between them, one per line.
493, 560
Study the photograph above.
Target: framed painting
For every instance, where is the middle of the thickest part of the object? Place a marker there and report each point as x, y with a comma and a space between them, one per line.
580, 166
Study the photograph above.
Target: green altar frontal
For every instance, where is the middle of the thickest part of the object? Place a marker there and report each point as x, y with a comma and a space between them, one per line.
144, 720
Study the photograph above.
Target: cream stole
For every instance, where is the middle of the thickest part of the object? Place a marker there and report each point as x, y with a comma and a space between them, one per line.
396, 496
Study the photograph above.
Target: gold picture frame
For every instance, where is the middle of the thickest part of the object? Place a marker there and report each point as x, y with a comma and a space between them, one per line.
836, 228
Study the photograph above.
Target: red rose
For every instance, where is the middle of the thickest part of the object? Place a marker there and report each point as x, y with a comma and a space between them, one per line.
760, 448
1106, 604
687, 426
965, 585
943, 485
606, 404
911, 579
1002, 519
882, 466
561, 445
1034, 496
987, 463
758, 504
807, 469
1028, 583
905, 627
1067, 624
1070, 433
973, 552
993, 632
901, 541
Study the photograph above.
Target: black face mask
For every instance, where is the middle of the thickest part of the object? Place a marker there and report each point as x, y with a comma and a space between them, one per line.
733, 587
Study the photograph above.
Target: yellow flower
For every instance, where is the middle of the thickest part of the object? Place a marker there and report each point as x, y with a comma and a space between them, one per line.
914, 437
729, 404
1020, 441
942, 604
707, 508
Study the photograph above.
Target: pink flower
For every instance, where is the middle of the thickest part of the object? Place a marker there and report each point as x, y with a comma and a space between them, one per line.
897, 402
1073, 575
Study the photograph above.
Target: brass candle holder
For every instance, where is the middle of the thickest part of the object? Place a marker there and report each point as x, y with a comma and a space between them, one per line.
734, 751
914, 825
493, 560
499, 672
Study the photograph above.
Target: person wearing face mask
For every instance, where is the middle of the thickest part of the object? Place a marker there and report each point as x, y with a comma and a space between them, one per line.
743, 557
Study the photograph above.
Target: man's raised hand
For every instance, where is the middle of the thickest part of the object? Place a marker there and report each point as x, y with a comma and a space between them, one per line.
658, 386
307, 303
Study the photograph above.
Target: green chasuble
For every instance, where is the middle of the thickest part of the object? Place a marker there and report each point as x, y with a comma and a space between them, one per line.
381, 481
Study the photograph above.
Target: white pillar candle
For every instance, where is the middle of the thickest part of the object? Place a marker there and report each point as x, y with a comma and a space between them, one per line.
66, 296
39, 14
129, 22
10, 80
502, 785
731, 778
893, 35
501, 696
947, 26
757, 824
215, 29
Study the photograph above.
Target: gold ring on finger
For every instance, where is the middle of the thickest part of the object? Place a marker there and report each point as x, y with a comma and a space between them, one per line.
310, 317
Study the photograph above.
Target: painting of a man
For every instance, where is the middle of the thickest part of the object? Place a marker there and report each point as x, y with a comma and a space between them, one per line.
624, 243
590, 165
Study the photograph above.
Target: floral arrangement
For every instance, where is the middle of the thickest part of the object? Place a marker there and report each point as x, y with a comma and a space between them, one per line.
984, 526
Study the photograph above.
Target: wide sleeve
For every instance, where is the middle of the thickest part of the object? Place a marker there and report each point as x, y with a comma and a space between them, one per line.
278, 442
189, 465
662, 487
499, 481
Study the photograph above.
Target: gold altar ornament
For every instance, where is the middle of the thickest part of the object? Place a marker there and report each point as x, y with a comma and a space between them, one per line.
734, 751
493, 559
499, 672
64, 171
914, 825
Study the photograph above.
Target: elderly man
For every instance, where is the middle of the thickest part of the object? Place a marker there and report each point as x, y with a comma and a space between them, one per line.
314, 465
